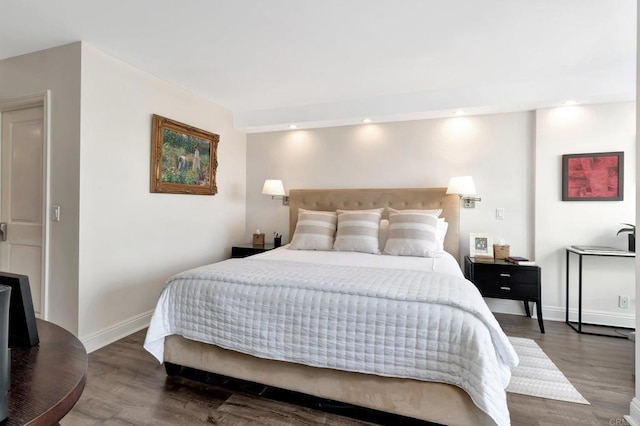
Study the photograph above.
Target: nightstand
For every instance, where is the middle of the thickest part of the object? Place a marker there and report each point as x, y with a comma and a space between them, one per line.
244, 250
504, 280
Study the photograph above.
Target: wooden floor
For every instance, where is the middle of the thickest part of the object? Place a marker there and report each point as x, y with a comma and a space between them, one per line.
127, 386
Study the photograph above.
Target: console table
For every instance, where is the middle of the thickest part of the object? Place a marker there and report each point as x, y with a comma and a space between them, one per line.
46, 380
580, 254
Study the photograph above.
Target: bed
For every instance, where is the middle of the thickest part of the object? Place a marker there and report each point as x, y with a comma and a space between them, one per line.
367, 373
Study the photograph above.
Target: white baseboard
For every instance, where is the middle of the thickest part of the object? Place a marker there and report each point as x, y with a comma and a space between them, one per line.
557, 313
115, 332
634, 413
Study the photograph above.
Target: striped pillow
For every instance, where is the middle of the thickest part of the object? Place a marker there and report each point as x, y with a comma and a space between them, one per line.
358, 230
436, 212
412, 233
315, 230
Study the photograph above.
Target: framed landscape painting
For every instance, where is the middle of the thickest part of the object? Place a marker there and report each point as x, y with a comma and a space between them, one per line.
183, 158
593, 177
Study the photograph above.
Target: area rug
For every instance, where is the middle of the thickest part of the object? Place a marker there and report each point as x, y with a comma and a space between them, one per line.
537, 375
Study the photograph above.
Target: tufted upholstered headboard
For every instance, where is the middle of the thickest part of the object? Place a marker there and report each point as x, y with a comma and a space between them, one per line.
399, 199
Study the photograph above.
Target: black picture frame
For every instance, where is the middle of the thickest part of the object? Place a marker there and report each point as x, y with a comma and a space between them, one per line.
597, 176
23, 330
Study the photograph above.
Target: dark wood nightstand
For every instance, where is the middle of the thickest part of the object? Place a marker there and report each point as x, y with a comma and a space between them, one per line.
504, 280
244, 250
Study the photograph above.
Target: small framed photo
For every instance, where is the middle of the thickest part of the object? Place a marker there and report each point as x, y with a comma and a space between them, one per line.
480, 245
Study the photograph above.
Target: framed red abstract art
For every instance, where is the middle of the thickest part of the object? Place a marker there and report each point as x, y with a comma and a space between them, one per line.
593, 177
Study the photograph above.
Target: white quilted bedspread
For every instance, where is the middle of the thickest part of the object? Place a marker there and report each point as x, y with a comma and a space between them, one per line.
389, 322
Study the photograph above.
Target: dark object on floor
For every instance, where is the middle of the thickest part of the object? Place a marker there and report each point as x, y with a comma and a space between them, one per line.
22, 319
5, 359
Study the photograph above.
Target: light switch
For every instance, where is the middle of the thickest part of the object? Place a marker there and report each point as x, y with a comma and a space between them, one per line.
500, 213
56, 213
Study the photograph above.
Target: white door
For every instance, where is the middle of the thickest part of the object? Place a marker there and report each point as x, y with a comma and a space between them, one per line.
21, 187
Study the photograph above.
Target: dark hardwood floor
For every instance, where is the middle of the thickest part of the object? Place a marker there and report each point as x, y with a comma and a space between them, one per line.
126, 386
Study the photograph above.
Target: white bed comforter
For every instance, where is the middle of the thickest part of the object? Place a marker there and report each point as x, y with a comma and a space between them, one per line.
389, 322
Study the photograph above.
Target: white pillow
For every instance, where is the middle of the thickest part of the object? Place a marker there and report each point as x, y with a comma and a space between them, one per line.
383, 234
358, 230
412, 233
441, 233
315, 230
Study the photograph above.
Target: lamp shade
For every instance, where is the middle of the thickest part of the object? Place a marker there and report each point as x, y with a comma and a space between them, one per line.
462, 185
273, 187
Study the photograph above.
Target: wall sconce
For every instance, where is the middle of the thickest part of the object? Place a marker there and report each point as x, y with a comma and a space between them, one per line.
275, 188
464, 187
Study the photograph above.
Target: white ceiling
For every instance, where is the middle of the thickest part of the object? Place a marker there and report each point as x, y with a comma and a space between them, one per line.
333, 62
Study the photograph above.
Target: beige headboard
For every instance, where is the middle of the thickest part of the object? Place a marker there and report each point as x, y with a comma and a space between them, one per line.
401, 198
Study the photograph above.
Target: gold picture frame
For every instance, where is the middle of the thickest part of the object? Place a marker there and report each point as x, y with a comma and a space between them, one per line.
184, 159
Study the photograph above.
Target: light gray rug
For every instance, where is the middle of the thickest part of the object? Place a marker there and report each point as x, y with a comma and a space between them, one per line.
537, 375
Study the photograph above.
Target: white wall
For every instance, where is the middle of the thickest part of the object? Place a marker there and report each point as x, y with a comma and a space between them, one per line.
497, 150
584, 129
58, 70
131, 240
503, 153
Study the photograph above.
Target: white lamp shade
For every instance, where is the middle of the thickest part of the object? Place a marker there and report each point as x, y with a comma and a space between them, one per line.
462, 185
273, 187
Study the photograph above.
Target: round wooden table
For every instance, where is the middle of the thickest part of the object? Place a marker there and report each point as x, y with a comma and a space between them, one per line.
46, 380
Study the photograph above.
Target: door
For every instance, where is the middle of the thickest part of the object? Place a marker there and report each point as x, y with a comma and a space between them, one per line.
21, 197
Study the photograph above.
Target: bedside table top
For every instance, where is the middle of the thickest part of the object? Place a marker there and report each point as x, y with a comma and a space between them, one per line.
497, 262
266, 246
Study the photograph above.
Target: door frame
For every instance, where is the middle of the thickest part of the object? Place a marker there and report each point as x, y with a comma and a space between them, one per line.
39, 100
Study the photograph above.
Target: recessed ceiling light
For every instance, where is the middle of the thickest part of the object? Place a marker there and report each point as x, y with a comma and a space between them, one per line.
293, 126
459, 112
569, 102
366, 120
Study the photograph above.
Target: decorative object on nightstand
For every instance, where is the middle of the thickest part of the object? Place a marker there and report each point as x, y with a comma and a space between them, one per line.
501, 251
258, 238
519, 260
480, 245
631, 229
245, 250
505, 280
277, 239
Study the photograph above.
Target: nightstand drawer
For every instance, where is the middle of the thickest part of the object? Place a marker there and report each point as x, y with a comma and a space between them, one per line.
508, 290
505, 274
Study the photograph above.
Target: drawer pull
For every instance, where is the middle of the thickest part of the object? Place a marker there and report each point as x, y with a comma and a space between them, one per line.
505, 288
505, 275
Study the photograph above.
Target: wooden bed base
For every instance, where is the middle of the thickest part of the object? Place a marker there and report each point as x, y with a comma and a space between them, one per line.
434, 402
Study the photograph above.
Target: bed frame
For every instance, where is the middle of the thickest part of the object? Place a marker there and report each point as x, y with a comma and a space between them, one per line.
431, 401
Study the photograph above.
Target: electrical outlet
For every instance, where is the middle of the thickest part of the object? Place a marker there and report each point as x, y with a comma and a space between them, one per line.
623, 302
500, 213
